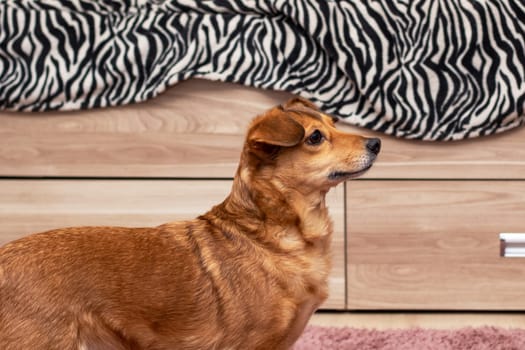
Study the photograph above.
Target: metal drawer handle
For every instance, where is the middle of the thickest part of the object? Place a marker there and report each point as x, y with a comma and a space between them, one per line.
512, 245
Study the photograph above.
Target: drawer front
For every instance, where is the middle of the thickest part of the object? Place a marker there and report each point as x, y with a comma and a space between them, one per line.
28, 206
499, 156
195, 130
434, 245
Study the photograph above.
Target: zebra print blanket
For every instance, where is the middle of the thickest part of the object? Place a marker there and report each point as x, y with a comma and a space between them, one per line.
422, 69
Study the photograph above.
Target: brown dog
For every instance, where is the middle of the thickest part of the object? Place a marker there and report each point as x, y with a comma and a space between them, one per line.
246, 275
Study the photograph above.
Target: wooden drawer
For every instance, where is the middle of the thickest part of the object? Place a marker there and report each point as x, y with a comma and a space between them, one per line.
404, 236
194, 130
434, 245
499, 156
28, 206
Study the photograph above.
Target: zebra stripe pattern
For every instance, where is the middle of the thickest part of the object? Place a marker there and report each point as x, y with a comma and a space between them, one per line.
421, 69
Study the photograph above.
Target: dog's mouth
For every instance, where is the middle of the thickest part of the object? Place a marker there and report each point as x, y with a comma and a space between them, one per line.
345, 175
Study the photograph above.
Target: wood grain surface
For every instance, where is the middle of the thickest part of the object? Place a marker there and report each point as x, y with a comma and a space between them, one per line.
29, 206
421, 319
499, 156
433, 245
195, 129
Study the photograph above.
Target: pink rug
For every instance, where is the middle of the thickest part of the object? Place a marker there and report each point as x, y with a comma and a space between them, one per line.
483, 338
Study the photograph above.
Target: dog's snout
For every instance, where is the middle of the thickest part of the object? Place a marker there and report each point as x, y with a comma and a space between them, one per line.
373, 145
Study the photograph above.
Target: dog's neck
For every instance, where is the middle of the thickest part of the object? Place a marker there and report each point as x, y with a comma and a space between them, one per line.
276, 214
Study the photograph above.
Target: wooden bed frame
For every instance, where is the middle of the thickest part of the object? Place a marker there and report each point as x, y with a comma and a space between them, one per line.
419, 231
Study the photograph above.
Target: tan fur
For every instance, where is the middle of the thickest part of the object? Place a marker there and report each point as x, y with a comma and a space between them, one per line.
246, 275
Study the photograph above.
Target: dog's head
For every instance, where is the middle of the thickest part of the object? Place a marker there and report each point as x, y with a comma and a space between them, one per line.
300, 146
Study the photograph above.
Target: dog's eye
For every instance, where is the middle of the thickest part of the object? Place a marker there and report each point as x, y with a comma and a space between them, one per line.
315, 138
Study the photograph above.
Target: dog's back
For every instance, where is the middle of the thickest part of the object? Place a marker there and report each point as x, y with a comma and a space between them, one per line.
182, 285
101, 273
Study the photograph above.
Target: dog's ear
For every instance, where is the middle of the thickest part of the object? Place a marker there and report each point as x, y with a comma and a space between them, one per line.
299, 102
272, 131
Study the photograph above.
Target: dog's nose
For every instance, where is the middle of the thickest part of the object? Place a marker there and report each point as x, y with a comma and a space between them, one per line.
373, 145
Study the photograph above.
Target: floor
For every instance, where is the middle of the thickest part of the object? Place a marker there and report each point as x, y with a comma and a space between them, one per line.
437, 320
